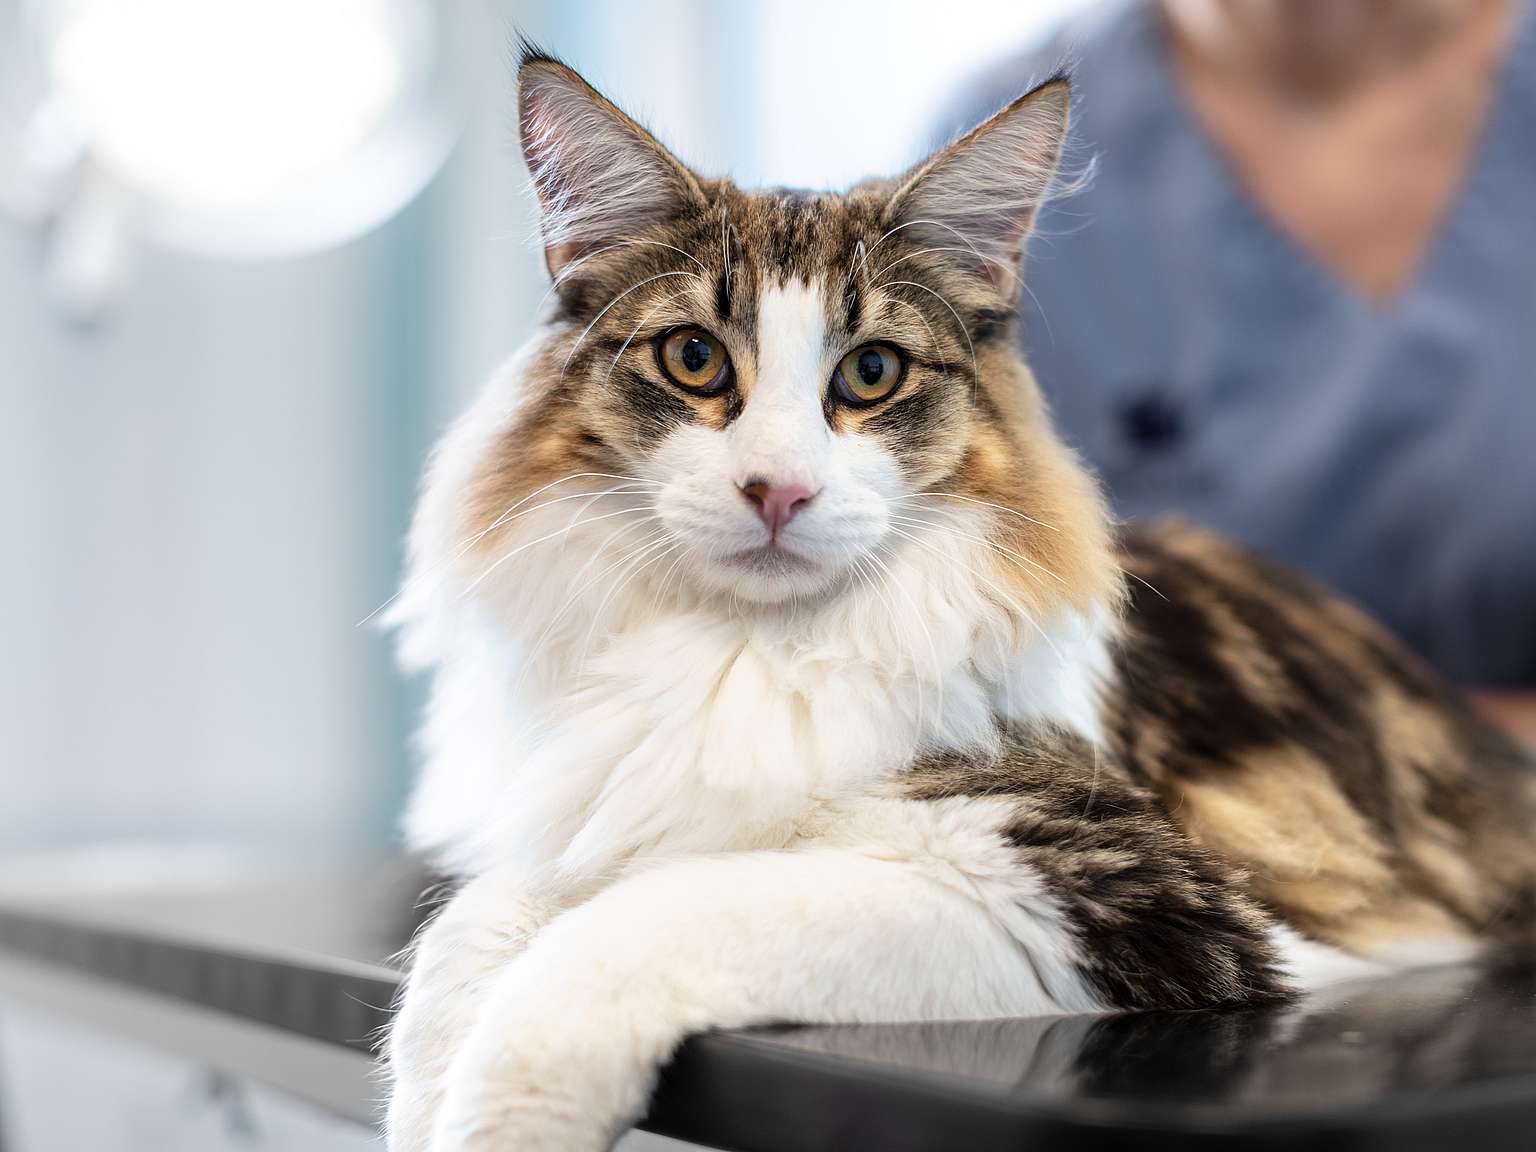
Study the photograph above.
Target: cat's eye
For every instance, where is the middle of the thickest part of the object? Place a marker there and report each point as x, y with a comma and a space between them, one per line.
867, 375
694, 360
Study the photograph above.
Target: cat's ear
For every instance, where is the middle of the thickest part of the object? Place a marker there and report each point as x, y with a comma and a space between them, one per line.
600, 177
980, 194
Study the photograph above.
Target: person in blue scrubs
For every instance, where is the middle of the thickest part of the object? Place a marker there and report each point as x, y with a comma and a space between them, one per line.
1296, 298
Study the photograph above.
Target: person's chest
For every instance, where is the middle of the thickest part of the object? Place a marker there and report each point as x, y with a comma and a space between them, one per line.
1387, 453
1361, 178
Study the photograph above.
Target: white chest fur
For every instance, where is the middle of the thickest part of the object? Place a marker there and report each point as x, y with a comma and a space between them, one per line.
704, 729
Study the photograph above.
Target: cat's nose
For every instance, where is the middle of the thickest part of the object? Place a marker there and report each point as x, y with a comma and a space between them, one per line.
777, 504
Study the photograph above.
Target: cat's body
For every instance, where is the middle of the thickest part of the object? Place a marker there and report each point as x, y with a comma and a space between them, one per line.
785, 669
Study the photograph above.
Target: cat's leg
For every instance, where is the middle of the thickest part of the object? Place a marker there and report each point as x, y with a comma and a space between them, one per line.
943, 923
484, 926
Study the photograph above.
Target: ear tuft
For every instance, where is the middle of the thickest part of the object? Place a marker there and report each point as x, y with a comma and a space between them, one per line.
600, 177
983, 191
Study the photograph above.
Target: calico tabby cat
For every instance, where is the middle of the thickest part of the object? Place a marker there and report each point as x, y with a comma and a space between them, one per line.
787, 668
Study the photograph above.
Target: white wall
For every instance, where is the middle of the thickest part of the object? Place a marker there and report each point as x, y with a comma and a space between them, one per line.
202, 498
846, 90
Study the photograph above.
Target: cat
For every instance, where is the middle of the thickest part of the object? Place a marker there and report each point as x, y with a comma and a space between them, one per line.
787, 667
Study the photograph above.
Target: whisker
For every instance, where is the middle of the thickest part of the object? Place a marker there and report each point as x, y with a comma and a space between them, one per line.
587, 331
984, 503
1139, 580
575, 265
992, 260
666, 577
861, 256
466, 545
964, 239
938, 668
982, 540
630, 338
975, 374
597, 616
725, 249
878, 588
590, 498
933, 339
949, 525
570, 601
548, 536
1040, 310
1030, 620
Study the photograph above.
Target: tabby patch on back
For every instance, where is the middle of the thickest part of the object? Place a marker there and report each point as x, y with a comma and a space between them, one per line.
784, 667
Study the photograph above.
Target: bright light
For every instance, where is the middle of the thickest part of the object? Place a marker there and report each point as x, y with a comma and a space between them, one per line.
227, 104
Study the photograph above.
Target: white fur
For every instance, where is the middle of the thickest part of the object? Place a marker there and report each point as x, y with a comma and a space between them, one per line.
1313, 966
697, 783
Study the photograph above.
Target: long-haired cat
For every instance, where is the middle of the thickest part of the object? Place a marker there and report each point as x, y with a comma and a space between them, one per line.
786, 668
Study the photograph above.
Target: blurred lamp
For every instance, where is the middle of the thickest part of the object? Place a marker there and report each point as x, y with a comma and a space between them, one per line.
240, 128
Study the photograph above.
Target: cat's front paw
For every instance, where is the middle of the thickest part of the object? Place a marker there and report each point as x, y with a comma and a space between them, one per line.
456, 958
502, 1114
560, 1061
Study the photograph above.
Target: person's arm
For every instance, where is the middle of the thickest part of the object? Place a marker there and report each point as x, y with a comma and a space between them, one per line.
1512, 710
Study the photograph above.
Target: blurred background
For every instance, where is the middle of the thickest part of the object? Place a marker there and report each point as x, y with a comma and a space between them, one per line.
253, 255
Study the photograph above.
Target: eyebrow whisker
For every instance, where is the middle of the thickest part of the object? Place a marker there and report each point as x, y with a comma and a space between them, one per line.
975, 373
587, 331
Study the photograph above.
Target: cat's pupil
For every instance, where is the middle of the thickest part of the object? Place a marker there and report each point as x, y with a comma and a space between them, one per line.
695, 355
871, 368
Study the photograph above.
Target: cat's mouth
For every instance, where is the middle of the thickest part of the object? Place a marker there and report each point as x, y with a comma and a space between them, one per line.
770, 560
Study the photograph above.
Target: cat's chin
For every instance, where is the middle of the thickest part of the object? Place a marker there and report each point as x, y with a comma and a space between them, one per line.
770, 575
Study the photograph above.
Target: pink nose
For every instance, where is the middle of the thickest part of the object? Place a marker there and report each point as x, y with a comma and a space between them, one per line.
777, 504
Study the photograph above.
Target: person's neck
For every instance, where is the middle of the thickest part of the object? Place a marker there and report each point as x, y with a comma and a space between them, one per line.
1318, 49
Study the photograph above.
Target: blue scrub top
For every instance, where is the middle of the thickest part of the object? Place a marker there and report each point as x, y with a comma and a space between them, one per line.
1207, 365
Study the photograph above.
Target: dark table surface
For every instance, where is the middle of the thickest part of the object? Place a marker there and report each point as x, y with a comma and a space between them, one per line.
1428, 1060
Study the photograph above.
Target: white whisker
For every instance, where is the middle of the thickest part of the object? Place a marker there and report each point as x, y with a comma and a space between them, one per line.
547, 536
949, 525
878, 588
975, 374
575, 265
964, 239
598, 553
650, 550
984, 503
932, 338
587, 331
915, 521
928, 251
630, 338
1014, 604
466, 545
933, 652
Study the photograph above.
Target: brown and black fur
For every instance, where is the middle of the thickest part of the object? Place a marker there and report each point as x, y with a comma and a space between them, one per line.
1272, 755
1159, 919
1283, 729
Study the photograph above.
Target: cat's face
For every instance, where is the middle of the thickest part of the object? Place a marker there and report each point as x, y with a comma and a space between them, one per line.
788, 385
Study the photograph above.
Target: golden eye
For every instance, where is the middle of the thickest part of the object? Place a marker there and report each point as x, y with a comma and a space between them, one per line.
867, 375
694, 360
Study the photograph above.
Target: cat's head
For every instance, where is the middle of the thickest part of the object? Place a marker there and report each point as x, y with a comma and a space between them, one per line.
778, 392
